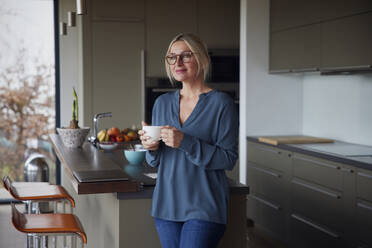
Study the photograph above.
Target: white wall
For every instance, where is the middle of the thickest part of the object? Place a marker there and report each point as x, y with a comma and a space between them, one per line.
69, 53
338, 107
270, 104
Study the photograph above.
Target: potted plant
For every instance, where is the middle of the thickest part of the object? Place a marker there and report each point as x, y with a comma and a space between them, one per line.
73, 136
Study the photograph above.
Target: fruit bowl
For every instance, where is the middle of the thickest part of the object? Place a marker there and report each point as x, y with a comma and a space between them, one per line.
108, 145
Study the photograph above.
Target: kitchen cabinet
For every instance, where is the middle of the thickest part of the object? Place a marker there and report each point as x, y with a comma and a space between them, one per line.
295, 49
346, 42
116, 72
114, 10
320, 35
364, 206
268, 172
286, 14
307, 200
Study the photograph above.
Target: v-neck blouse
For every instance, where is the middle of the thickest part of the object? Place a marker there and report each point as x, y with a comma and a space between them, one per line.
191, 182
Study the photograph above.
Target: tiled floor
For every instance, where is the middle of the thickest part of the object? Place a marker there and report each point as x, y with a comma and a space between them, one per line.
11, 238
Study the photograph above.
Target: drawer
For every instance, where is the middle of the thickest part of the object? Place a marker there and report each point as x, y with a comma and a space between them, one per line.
268, 216
364, 184
319, 171
268, 182
319, 203
269, 157
364, 221
306, 232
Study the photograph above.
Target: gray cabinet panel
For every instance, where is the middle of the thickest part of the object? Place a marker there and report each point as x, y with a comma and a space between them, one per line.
364, 217
364, 184
268, 183
114, 10
269, 216
346, 42
116, 71
306, 232
293, 13
318, 203
269, 157
319, 171
295, 49
332, 9
286, 14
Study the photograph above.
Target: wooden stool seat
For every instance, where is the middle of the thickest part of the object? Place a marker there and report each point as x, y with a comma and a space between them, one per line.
30, 191
43, 224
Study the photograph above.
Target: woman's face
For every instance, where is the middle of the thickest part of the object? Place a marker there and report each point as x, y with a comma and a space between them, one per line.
186, 67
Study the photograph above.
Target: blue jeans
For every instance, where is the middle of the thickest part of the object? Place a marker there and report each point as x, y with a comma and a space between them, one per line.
189, 234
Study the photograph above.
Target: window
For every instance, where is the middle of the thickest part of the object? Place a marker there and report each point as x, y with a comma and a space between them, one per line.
27, 85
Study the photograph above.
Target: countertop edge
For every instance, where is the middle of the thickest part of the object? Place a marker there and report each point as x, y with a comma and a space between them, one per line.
318, 154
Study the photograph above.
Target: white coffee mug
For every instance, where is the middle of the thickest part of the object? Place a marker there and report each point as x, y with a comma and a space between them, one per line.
153, 132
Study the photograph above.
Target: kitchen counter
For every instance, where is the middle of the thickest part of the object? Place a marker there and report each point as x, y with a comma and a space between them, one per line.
89, 157
342, 152
117, 213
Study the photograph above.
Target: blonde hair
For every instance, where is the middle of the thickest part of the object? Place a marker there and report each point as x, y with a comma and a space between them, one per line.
198, 48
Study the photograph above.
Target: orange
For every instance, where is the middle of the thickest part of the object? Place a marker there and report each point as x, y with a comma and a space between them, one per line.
114, 131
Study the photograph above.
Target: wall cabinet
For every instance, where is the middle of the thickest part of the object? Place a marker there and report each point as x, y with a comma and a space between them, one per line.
307, 201
320, 35
295, 49
286, 14
346, 42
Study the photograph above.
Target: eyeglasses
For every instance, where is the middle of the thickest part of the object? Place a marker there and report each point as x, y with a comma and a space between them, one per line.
185, 57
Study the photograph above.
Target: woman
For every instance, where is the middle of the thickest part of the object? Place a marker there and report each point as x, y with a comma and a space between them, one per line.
198, 142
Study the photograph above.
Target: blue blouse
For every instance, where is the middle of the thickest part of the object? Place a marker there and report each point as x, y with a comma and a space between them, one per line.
191, 182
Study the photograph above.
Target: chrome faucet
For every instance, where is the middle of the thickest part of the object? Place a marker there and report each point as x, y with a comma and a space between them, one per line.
93, 139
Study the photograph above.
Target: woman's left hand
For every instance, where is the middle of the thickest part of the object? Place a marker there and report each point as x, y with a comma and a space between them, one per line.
171, 136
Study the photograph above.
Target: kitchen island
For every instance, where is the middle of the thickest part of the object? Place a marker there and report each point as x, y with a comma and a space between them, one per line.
116, 213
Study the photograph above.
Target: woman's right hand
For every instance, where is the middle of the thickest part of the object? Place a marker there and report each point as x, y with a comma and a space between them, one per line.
146, 141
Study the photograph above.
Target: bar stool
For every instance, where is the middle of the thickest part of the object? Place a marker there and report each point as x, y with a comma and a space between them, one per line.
35, 192
40, 225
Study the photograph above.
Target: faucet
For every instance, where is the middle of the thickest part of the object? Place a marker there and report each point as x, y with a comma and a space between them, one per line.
93, 138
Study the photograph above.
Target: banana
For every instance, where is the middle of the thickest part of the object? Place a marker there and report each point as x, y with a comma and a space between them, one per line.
107, 137
101, 135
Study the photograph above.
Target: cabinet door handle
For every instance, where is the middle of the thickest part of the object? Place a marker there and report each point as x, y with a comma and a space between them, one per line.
346, 68
347, 170
280, 71
365, 206
318, 163
365, 175
306, 69
310, 223
316, 189
267, 203
266, 171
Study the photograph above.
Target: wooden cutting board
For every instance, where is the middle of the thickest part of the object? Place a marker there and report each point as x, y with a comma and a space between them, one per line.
293, 139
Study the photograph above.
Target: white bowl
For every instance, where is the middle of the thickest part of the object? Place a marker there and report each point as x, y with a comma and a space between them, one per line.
108, 145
